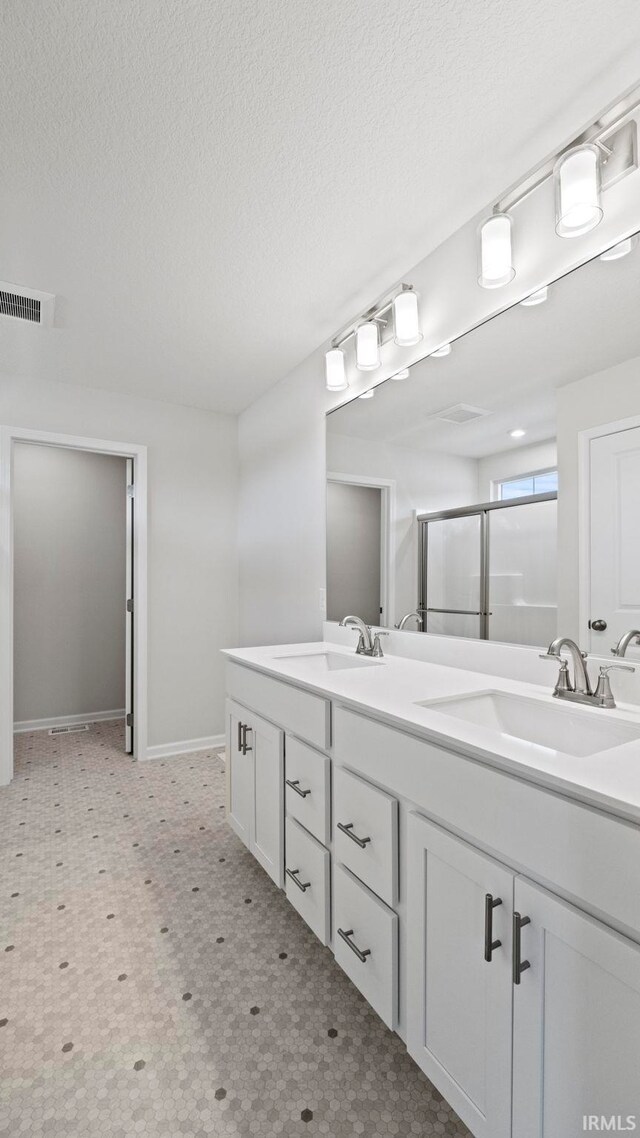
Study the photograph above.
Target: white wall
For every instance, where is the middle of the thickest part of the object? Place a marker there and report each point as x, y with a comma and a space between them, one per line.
192, 539
69, 582
512, 463
424, 481
281, 436
605, 397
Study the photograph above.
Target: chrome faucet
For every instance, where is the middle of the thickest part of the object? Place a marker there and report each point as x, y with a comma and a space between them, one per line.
632, 637
579, 689
368, 645
407, 617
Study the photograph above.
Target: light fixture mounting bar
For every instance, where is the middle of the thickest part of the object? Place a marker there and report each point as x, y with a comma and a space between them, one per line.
376, 315
615, 135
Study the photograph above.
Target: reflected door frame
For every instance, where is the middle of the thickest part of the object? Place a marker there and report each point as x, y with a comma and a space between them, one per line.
585, 438
387, 487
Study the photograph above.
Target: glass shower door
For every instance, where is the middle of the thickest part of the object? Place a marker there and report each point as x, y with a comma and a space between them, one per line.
453, 564
523, 573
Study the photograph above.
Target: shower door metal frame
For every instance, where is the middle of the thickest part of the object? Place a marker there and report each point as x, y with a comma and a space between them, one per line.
482, 511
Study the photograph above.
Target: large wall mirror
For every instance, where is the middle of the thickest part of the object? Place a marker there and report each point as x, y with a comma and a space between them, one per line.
494, 493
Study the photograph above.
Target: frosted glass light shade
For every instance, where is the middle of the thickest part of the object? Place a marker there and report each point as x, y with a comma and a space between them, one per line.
403, 374
577, 181
496, 254
443, 350
406, 319
367, 394
335, 372
619, 250
537, 297
367, 347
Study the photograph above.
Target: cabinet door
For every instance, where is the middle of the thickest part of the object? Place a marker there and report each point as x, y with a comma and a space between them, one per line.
576, 1023
265, 745
459, 1013
240, 774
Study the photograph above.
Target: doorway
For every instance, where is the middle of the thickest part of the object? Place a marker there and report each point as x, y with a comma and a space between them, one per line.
72, 587
360, 575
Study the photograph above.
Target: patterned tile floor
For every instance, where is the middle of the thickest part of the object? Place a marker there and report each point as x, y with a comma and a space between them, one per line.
153, 979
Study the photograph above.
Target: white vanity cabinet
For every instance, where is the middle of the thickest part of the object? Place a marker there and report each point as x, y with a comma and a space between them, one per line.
255, 750
576, 1021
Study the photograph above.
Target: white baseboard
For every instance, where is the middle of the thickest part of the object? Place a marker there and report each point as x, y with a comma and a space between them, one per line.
65, 720
185, 747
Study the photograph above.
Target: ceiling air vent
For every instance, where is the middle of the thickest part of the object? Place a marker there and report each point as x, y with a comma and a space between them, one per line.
26, 304
461, 413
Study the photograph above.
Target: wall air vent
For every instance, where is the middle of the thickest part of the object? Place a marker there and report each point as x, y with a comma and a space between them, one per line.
26, 304
461, 413
71, 729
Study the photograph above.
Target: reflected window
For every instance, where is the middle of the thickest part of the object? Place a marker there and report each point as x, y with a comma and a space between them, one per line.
546, 482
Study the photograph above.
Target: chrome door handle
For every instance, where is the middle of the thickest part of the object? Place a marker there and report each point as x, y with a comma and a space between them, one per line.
245, 746
519, 965
362, 954
303, 885
348, 830
490, 903
295, 785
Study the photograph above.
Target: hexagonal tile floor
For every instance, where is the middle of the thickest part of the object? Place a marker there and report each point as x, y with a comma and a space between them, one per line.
155, 981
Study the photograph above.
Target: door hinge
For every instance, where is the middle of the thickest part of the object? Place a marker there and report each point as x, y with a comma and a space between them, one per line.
130, 604
129, 719
131, 490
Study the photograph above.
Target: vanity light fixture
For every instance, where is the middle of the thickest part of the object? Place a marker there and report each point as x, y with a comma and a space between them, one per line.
517, 433
443, 350
406, 318
403, 374
619, 250
537, 297
335, 370
367, 346
496, 253
577, 179
368, 394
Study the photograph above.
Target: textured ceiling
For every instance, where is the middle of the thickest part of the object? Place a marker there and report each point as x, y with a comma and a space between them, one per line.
510, 367
212, 187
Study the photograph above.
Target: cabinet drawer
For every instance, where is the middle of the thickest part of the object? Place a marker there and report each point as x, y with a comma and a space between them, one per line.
366, 833
307, 879
363, 923
307, 788
300, 712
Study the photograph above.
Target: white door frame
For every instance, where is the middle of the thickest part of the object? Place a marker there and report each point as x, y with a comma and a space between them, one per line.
8, 437
584, 509
388, 517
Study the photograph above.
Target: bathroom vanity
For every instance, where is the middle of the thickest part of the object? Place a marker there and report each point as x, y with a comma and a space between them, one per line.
469, 849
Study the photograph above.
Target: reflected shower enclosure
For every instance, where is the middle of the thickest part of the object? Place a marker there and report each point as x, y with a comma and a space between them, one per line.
489, 572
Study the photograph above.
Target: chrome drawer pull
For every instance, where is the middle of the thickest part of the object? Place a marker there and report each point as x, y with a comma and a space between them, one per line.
348, 830
295, 785
519, 965
490, 903
304, 885
346, 935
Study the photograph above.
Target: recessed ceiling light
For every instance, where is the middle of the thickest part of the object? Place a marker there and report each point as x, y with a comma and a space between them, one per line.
517, 433
404, 374
537, 297
367, 394
443, 350
619, 250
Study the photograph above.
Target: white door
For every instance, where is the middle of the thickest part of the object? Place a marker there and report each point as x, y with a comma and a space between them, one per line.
459, 905
129, 602
265, 743
615, 537
240, 773
576, 1023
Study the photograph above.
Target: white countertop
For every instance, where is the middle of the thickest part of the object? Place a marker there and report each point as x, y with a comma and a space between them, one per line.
392, 691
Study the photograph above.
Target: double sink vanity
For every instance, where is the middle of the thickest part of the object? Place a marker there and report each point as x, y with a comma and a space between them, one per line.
469, 849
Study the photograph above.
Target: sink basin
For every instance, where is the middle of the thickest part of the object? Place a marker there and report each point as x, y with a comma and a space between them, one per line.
541, 725
329, 661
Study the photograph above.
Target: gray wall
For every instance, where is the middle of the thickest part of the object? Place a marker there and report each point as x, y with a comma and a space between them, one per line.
69, 573
353, 551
